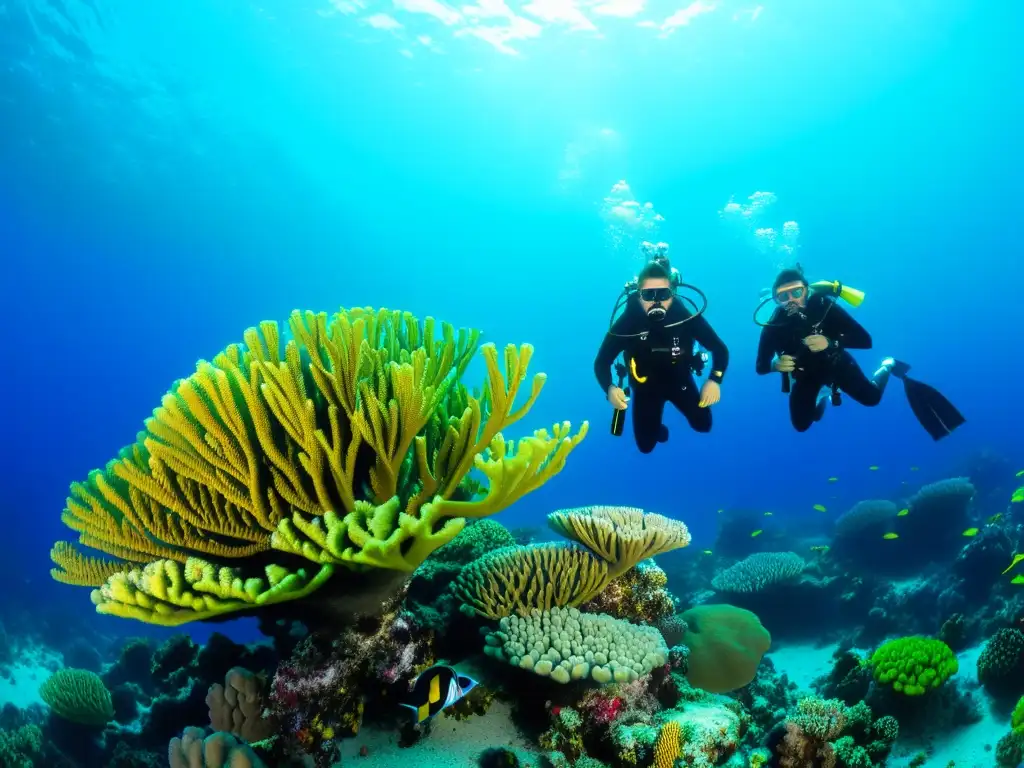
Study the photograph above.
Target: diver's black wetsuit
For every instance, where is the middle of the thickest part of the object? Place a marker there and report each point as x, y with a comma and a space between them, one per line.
834, 366
663, 358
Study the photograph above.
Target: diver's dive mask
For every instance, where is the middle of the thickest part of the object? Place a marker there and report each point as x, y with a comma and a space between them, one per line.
657, 295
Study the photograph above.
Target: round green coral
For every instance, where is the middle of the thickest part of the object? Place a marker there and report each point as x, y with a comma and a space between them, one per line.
79, 696
914, 665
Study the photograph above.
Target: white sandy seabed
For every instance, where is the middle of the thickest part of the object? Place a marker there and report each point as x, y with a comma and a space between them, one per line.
20, 683
972, 746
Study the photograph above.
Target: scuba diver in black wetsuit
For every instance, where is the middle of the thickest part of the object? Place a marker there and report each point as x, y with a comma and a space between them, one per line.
656, 333
808, 337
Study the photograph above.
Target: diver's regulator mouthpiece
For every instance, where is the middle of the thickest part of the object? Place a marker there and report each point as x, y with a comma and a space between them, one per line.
657, 312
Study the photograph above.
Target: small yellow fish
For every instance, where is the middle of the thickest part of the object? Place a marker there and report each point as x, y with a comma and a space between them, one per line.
833, 479
914, 469
820, 508
819, 548
1018, 496
1021, 473
756, 533
891, 536
1018, 579
903, 512
995, 518
873, 467
707, 551
1016, 559
721, 511
768, 514
971, 532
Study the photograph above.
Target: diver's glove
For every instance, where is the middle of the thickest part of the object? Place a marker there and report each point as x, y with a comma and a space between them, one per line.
784, 364
710, 394
617, 397
817, 343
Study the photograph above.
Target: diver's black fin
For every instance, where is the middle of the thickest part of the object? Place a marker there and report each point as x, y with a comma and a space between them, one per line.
662, 434
934, 412
900, 369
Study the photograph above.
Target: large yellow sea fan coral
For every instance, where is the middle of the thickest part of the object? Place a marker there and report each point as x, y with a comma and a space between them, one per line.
349, 445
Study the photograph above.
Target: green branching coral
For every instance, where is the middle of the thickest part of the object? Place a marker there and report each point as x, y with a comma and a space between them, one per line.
79, 696
347, 448
914, 665
20, 748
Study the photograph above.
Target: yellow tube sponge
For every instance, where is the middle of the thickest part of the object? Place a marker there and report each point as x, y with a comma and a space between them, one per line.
79, 696
350, 444
622, 536
522, 579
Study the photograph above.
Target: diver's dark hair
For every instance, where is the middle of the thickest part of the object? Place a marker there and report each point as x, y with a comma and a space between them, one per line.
657, 270
789, 275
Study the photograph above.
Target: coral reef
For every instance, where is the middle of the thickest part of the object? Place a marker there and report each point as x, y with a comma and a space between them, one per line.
639, 595
826, 733
349, 448
324, 690
431, 598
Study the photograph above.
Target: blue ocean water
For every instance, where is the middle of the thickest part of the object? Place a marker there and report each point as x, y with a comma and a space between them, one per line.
173, 173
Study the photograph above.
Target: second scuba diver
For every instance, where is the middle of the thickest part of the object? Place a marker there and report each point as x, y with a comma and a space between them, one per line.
656, 334
808, 337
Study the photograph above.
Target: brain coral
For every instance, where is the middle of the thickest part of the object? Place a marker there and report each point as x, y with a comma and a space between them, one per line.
759, 571
726, 645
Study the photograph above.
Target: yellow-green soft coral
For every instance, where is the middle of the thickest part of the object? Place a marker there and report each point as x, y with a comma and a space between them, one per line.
348, 447
914, 665
79, 696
